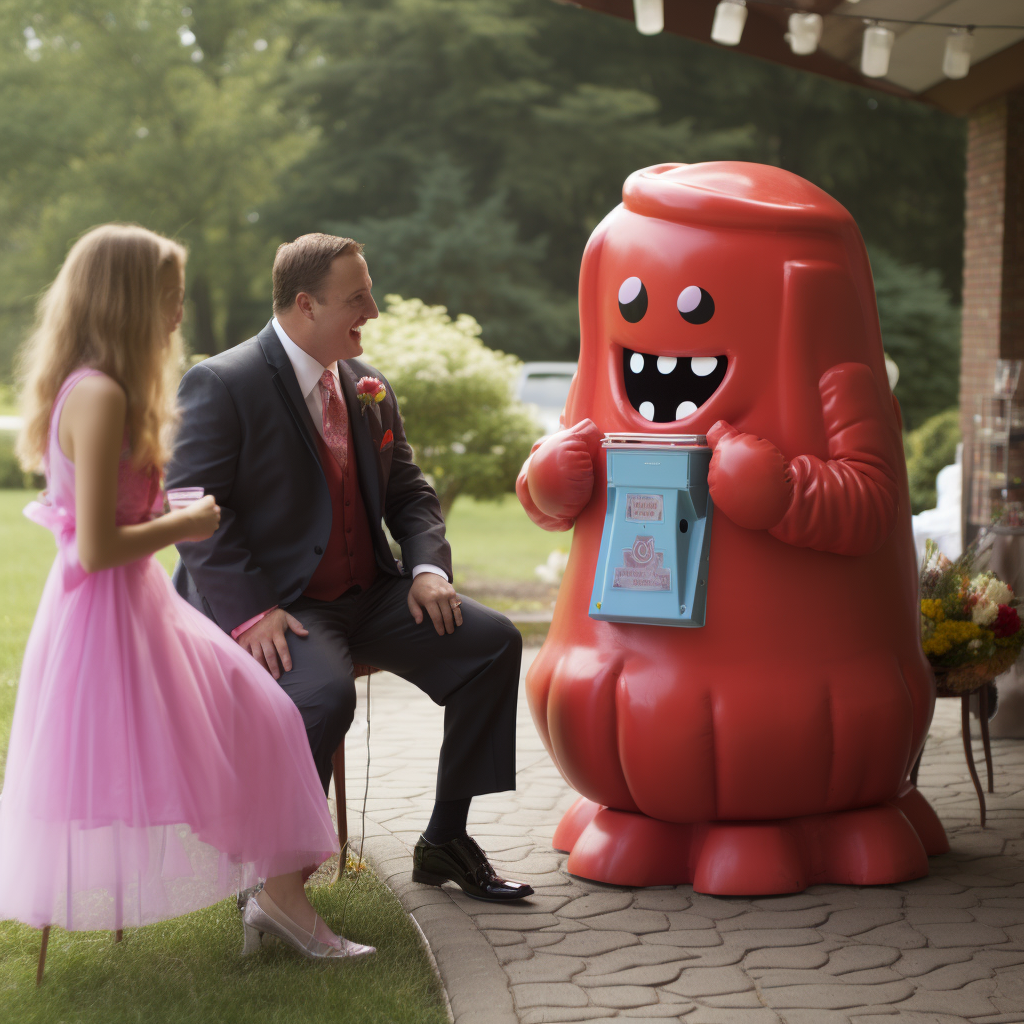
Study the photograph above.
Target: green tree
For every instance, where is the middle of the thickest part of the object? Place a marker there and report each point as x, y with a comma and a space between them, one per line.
450, 251
469, 433
450, 113
140, 110
921, 331
544, 109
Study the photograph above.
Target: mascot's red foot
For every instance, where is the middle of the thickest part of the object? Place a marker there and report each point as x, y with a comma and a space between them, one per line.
925, 821
870, 846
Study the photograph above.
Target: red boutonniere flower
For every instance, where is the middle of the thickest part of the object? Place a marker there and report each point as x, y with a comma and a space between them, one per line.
369, 390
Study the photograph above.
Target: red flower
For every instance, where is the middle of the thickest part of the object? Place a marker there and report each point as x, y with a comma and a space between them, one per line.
369, 386
368, 391
1007, 622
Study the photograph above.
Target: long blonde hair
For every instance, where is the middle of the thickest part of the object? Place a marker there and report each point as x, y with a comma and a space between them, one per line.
108, 308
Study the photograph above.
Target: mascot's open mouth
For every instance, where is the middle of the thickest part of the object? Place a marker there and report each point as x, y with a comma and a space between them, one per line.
668, 388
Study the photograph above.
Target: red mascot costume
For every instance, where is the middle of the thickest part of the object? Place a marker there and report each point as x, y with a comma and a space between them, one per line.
769, 749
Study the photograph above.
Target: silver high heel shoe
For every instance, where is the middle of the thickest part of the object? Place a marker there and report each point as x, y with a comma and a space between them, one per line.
256, 923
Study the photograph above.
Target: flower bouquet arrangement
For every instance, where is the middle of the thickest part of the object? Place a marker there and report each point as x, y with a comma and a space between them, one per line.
970, 629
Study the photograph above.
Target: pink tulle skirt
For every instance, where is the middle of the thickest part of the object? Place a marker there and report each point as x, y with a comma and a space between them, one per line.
154, 767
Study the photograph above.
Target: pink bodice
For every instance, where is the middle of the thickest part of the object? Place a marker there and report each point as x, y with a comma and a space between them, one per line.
138, 492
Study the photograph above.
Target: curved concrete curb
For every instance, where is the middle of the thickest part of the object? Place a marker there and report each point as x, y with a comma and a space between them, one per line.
475, 984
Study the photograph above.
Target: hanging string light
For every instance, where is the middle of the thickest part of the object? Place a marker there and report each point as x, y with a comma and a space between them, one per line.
804, 33
805, 30
649, 16
875, 52
730, 17
956, 61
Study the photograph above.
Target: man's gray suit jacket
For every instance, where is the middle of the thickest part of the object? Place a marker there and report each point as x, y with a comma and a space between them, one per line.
247, 438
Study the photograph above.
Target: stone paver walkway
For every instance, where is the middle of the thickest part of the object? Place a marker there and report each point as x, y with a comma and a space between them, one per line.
942, 950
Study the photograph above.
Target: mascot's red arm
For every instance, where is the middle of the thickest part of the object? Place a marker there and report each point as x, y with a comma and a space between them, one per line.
847, 505
557, 480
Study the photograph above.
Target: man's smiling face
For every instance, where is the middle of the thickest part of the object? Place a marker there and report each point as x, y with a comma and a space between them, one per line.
343, 305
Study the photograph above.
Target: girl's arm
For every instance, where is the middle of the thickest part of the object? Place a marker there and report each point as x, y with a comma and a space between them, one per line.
91, 434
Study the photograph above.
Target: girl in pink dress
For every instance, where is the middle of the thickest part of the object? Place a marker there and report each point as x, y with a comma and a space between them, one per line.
154, 767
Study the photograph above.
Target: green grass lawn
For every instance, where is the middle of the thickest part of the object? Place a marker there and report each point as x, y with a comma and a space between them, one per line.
187, 971
495, 540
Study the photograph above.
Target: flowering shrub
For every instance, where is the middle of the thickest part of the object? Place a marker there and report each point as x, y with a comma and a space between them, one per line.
456, 397
553, 569
968, 618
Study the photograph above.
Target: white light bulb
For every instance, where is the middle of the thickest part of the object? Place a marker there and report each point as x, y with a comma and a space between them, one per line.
874, 55
649, 16
730, 17
956, 61
804, 33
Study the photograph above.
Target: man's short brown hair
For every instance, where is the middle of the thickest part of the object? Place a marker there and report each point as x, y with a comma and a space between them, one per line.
302, 265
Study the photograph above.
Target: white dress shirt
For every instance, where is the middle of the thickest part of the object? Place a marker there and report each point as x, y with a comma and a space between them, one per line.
308, 373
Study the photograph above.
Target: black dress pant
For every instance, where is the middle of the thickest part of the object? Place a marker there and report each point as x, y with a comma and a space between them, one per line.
473, 673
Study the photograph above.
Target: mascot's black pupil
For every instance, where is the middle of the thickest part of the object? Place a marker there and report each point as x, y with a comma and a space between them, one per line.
632, 300
695, 305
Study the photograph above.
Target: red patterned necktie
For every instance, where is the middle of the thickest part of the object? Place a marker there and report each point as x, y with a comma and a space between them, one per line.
335, 418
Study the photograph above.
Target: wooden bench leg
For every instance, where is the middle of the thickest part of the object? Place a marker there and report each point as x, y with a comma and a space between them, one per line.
42, 956
341, 801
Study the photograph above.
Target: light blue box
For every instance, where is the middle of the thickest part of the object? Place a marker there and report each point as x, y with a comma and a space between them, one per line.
653, 564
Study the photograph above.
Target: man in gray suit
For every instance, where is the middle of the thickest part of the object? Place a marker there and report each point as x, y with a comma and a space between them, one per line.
303, 447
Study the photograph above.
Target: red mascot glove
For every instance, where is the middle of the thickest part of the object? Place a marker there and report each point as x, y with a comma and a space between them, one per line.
847, 505
748, 478
557, 480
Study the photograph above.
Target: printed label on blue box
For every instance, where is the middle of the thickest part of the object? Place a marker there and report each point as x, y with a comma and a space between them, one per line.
645, 508
643, 567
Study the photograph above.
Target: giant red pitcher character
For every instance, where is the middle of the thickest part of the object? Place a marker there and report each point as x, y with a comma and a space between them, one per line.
769, 749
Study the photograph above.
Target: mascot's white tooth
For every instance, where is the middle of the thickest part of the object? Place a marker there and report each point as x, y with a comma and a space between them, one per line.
636, 362
666, 364
647, 410
703, 365
684, 409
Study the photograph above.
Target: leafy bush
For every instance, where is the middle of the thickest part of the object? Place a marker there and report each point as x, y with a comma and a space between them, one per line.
928, 449
456, 396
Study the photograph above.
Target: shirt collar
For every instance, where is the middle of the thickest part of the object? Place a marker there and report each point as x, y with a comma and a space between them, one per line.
307, 370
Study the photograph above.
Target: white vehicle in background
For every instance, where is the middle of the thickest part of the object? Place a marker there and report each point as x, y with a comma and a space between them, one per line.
545, 386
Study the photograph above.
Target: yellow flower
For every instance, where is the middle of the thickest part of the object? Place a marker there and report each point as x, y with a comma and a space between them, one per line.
952, 633
931, 608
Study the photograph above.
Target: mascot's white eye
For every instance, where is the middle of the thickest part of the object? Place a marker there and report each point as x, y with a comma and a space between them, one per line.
695, 305
632, 300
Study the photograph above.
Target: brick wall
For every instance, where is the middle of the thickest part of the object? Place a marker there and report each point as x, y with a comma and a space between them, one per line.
1012, 307
983, 254
993, 295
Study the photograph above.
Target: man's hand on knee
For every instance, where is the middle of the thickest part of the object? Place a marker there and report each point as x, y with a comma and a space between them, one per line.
266, 640
435, 595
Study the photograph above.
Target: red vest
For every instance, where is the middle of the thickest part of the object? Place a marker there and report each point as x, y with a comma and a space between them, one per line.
349, 558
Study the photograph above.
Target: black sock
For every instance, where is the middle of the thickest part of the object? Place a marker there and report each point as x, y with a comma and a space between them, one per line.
447, 821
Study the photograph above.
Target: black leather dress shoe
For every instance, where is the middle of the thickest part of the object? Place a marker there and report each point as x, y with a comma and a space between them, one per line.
461, 861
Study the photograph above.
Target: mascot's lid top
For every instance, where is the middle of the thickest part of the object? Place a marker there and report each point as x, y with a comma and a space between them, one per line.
660, 441
732, 193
